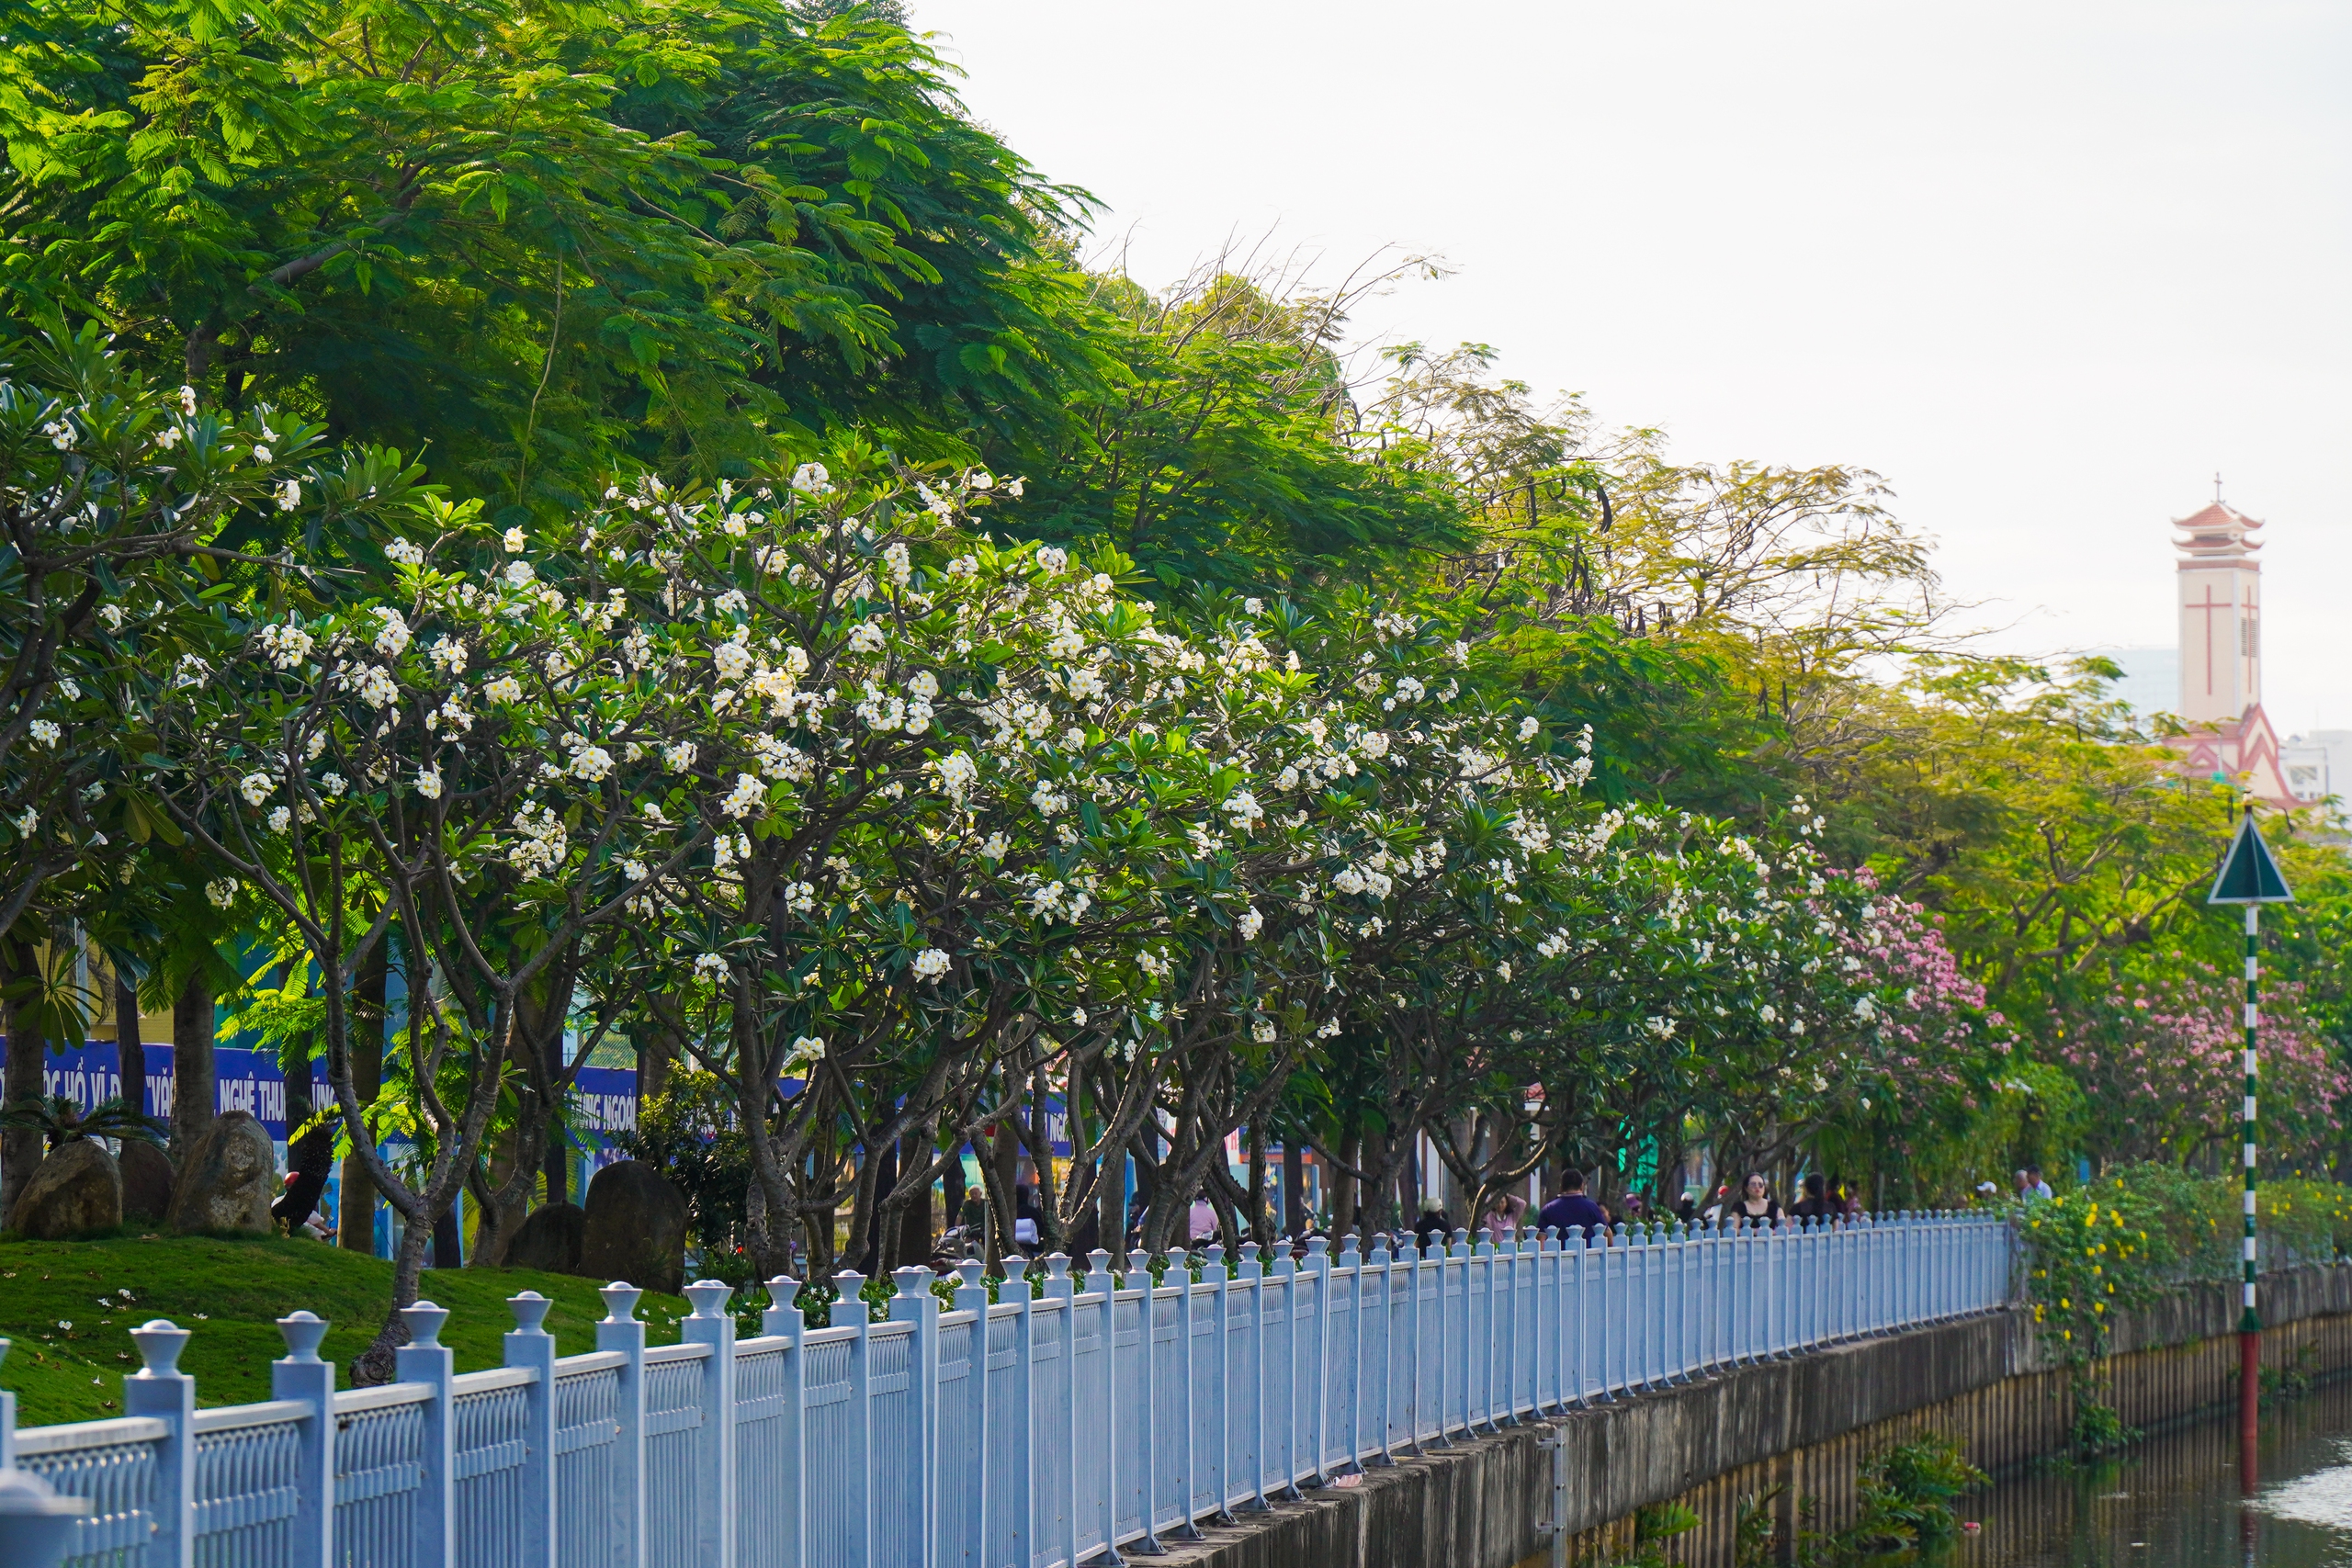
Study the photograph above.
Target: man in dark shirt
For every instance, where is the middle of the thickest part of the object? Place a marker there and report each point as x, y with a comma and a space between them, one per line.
1572, 1209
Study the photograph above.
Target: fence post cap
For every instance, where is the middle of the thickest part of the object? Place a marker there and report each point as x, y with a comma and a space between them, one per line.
1248, 1252
914, 1280
1351, 1249
160, 1342
1215, 1253
621, 1302
1015, 1265
1058, 1265
709, 1296
1139, 1262
302, 1331
424, 1320
1317, 1245
968, 1272
530, 1310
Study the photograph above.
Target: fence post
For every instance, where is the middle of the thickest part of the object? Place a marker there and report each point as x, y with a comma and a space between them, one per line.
1139, 1267
301, 1375
532, 1347
848, 1304
711, 1324
620, 1331
1025, 1370
1254, 1272
160, 1389
1222, 1314
1187, 1373
972, 1296
915, 1304
1061, 1287
1351, 1259
7, 1420
1481, 1345
1319, 1265
1411, 1253
1384, 1272
1286, 1275
1098, 1282
427, 1361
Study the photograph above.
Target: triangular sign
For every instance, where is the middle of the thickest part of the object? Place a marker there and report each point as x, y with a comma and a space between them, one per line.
2249, 876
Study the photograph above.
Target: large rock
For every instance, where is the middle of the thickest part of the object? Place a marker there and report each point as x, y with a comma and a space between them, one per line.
227, 1179
551, 1240
76, 1190
636, 1230
147, 1181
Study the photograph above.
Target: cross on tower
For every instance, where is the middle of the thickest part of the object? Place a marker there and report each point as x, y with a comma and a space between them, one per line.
2217, 487
2209, 606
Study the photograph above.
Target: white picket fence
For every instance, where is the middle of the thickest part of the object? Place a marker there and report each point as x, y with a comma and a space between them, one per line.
1022, 1434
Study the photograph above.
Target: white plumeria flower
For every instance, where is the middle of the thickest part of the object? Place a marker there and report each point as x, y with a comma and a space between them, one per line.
747, 794
930, 963
221, 892
278, 819
46, 732
290, 494
402, 553
27, 820
515, 541
1251, 923
255, 787
428, 782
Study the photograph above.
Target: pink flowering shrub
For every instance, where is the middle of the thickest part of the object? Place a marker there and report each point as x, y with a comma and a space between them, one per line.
2159, 1062
1917, 1024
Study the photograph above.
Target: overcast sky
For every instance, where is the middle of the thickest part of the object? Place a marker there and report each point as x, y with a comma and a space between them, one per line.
2046, 268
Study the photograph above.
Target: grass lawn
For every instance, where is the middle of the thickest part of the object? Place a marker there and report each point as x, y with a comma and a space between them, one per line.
228, 1294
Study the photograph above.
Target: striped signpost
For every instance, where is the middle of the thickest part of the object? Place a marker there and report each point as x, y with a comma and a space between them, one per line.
2249, 877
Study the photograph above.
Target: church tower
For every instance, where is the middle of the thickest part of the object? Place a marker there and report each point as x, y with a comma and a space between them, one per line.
2220, 615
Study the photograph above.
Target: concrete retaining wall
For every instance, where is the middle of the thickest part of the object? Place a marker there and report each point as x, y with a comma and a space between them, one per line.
1801, 1425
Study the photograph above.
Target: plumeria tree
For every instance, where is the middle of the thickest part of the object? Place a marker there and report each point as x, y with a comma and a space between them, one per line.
126, 507
121, 501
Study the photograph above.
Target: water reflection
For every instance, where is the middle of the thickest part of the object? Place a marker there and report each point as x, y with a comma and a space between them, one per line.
2173, 1501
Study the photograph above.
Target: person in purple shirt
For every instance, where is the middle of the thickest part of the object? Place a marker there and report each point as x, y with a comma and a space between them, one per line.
1572, 1209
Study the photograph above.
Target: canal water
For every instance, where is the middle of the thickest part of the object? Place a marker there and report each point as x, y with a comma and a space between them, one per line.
2173, 1501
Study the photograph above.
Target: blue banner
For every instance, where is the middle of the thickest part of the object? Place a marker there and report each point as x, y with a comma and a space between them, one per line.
603, 1099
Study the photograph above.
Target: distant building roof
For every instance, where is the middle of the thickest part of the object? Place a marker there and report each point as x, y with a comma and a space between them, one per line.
2218, 533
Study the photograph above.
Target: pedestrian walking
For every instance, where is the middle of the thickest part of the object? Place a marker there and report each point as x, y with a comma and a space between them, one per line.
1572, 1209
1756, 1205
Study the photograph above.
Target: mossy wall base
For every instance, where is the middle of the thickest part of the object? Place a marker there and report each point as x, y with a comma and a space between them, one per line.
1802, 1424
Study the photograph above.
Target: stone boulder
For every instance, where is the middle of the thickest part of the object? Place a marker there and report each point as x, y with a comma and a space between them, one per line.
78, 1189
147, 1181
226, 1179
551, 1240
636, 1230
